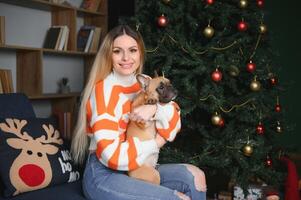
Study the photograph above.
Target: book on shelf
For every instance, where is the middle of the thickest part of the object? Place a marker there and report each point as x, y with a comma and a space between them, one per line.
51, 38
95, 39
57, 38
66, 39
63, 38
2, 30
1, 88
84, 38
6, 80
91, 5
89, 41
65, 123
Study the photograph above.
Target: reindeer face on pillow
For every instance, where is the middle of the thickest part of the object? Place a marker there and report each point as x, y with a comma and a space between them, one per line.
34, 152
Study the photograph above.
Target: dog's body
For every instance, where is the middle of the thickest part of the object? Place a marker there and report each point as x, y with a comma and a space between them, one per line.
156, 90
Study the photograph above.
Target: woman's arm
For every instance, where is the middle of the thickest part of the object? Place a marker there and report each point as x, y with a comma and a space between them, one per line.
168, 121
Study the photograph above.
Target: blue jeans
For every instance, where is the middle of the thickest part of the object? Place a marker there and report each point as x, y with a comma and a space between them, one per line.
102, 183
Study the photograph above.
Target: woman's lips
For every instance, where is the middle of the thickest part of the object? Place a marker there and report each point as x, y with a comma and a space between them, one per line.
126, 66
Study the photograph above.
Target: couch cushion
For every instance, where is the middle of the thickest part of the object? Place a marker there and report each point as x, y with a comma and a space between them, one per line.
68, 191
15, 105
33, 156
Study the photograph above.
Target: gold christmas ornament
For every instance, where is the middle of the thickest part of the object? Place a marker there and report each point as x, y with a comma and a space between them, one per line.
278, 127
243, 3
208, 32
248, 150
262, 28
233, 70
216, 119
255, 85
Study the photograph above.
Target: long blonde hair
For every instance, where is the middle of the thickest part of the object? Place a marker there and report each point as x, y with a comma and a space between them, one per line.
101, 68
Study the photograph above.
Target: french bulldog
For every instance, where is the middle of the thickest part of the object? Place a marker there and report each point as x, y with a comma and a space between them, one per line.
154, 90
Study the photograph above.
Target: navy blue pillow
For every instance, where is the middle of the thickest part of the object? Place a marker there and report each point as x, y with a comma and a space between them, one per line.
15, 105
33, 156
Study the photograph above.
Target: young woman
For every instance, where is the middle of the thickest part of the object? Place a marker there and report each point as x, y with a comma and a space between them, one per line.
103, 116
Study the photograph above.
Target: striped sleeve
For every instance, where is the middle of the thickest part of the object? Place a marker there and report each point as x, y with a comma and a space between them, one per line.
113, 149
168, 121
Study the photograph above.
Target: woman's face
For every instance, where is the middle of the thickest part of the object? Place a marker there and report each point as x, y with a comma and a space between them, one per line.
126, 55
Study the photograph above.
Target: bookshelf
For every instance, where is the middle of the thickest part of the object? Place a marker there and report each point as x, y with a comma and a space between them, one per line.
31, 59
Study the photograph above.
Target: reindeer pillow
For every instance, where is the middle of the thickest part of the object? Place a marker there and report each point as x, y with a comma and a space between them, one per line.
33, 156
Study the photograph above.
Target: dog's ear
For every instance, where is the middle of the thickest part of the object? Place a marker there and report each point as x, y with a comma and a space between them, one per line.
143, 81
156, 74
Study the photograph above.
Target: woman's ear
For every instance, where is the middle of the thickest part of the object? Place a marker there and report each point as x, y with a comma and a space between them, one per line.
143, 81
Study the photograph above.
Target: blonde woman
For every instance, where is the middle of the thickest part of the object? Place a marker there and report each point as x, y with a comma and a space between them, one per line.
103, 117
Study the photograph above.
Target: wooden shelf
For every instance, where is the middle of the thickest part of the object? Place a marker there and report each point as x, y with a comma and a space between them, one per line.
46, 51
18, 47
48, 6
54, 96
30, 60
71, 53
87, 12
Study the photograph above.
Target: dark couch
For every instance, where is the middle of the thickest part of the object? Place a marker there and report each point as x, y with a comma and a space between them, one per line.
17, 105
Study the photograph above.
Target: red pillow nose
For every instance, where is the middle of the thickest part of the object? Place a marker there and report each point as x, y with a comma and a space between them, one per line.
32, 175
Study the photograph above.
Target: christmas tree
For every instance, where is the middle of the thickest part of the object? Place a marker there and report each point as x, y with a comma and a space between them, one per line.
218, 55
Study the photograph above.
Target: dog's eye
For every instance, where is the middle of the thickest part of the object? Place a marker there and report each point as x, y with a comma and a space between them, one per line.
161, 87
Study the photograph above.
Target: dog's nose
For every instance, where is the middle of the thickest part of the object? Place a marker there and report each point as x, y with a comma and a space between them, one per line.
176, 92
173, 90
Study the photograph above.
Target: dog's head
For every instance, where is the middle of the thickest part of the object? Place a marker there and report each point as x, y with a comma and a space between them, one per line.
157, 89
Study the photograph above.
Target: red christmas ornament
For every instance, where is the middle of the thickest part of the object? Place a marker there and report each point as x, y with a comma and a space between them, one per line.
209, 2
162, 21
277, 108
221, 123
273, 81
251, 67
242, 26
268, 162
260, 129
216, 75
260, 3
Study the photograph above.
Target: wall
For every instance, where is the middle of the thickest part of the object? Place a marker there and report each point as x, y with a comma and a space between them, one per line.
283, 21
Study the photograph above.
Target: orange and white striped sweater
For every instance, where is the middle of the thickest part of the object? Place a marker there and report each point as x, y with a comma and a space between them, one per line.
107, 118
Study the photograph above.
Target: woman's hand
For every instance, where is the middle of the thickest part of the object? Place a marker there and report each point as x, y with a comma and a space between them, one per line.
143, 113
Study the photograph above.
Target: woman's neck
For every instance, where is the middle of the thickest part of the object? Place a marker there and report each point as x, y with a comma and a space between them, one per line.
124, 79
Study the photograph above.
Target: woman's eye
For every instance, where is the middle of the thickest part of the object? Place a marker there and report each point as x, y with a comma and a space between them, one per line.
116, 51
133, 50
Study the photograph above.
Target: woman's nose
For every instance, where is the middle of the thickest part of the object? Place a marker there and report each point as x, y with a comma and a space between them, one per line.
125, 55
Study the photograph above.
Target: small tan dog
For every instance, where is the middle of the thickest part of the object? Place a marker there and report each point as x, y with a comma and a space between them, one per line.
154, 90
